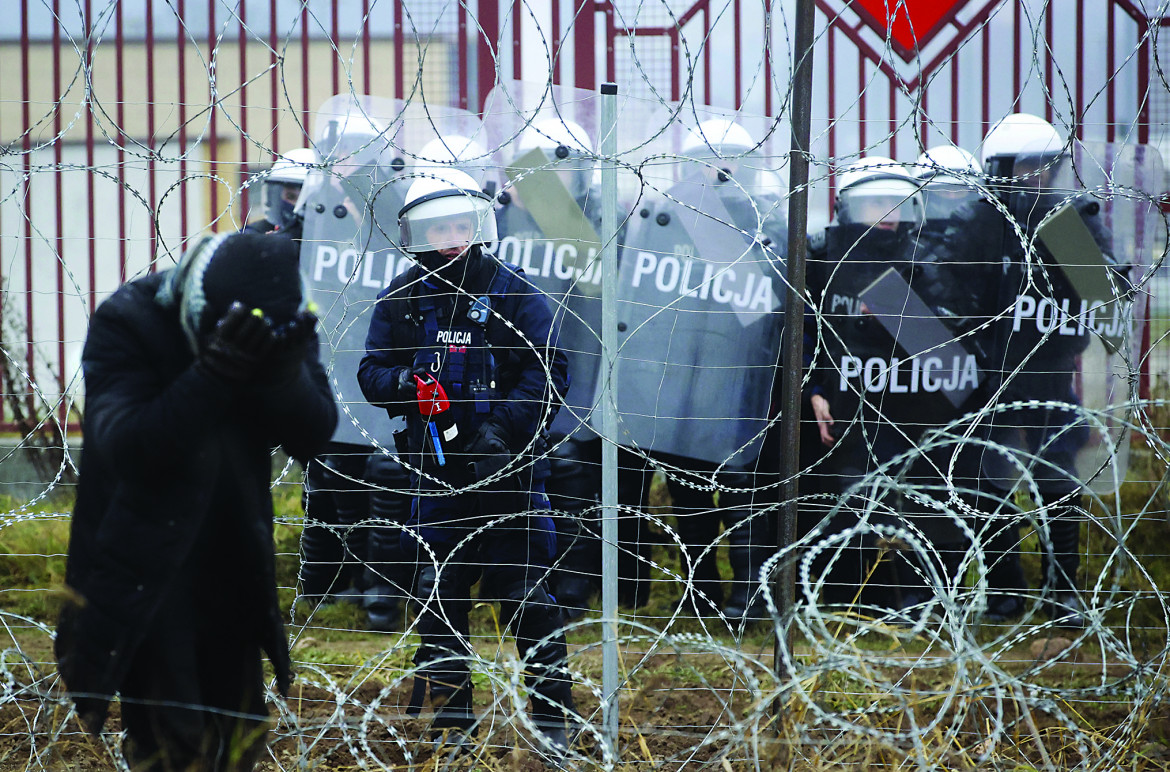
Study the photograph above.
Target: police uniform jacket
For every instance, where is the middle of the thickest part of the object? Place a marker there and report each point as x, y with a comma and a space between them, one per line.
985, 272
501, 362
174, 491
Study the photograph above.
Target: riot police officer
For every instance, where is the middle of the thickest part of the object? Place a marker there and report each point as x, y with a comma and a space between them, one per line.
867, 395
281, 189
465, 348
352, 493
551, 207
696, 363
957, 291
1038, 341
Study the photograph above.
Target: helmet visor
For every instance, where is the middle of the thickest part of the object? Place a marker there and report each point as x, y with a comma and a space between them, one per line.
279, 200
888, 201
452, 220
944, 196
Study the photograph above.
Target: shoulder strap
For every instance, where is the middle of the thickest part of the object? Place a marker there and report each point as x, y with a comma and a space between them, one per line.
504, 274
496, 295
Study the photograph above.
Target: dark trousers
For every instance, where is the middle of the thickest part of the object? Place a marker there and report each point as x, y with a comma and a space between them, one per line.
510, 559
194, 696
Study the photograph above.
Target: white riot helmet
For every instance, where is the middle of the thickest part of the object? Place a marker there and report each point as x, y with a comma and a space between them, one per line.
724, 136
878, 191
567, 146
723, 143
1019, 145
950, 177
355, 138
445, 209
455, 151
282, 186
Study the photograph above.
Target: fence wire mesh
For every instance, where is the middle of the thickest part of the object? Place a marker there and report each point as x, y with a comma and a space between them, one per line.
981, 561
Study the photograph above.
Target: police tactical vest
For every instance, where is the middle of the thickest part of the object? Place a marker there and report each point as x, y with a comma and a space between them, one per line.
1046, 323
452, 331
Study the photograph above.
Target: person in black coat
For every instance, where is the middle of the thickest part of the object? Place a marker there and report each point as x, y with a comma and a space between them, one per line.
192, 377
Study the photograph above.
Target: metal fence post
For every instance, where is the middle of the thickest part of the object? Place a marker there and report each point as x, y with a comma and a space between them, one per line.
793, 348
608, 406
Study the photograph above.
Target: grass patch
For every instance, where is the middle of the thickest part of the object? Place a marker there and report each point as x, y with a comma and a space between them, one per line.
683, 690
33, 548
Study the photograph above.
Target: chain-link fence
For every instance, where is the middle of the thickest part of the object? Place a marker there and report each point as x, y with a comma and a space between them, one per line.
979, 556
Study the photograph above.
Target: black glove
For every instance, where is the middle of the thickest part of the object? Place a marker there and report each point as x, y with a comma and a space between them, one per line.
406, 388
291, 346
487, 451
488, 467
491, 439
237, 347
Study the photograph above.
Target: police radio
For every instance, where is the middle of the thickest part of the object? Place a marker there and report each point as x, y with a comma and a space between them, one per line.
480, 310
433, 403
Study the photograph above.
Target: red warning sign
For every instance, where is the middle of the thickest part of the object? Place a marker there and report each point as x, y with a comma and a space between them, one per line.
921, 34
914, 22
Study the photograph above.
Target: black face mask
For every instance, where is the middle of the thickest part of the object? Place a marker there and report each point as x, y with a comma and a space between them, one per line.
870, 242
455, 271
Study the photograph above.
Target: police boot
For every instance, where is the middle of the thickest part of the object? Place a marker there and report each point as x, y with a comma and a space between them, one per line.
449, 683
698, 529
1059, 565
634, 535
452, 705
577, 566
384, 595
746, 602
453, 724
442, 667
536, 621
332, 546
353, 511
633, 568
1006, 584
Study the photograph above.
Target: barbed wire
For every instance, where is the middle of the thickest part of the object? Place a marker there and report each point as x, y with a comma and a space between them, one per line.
897, 658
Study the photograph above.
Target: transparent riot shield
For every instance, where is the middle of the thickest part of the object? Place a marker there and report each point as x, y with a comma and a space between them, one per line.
372, 149
348, 252
1072, 311
436, 136
699, 305
549, 220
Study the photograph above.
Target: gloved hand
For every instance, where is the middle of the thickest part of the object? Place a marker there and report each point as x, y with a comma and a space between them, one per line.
406, 388
237, 347
488, 451
491, 439
291, 346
